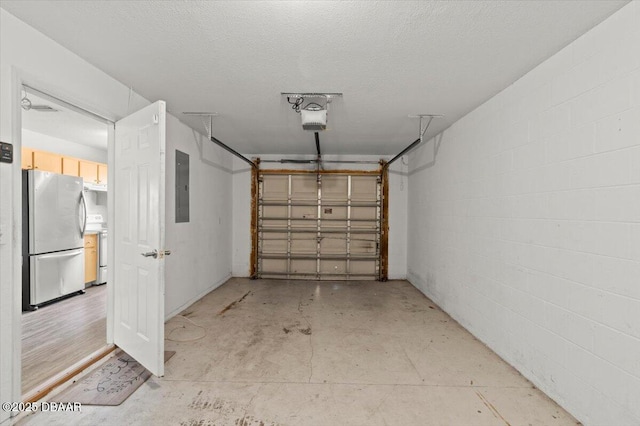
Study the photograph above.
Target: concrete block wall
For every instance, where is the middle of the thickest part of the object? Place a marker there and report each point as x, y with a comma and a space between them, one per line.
524, 223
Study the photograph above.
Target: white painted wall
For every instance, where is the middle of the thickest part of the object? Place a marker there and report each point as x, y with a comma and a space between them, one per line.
200, 257
35, 140
398, 190
28, 56
525, 223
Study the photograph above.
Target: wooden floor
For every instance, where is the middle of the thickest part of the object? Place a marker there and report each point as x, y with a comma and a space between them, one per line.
58, 335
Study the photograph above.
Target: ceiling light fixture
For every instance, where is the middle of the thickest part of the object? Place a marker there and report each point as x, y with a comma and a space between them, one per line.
43, 108
27, 105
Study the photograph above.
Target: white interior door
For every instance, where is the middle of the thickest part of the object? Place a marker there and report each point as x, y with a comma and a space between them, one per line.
139, 236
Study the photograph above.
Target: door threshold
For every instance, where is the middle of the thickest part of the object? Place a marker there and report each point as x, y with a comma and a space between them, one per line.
64, 376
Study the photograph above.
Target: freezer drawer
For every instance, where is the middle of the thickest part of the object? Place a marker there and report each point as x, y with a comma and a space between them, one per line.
56, 274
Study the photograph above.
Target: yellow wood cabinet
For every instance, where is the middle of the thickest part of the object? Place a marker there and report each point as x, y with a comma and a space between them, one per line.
27, 158
70, 166
47, 162
102, 174
89, 171
90, 257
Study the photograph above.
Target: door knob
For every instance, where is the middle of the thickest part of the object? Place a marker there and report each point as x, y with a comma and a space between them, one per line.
153, 254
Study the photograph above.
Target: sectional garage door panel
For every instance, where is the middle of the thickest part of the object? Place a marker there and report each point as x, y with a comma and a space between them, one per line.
304, 187
319, 226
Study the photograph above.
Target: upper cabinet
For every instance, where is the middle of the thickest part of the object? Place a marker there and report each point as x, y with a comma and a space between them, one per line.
27, 158
92, 172
47, 162
102, 174
89, 171
95, 173
70, 166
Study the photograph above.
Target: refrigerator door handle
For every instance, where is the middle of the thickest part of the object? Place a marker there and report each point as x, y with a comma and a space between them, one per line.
84, 208
65, 254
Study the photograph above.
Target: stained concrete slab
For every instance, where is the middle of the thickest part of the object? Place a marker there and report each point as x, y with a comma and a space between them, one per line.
269, 352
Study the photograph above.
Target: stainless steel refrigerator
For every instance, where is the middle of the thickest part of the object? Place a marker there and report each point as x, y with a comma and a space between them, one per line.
54, 218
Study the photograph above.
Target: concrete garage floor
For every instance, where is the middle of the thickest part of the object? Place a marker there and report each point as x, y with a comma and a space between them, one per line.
324, 353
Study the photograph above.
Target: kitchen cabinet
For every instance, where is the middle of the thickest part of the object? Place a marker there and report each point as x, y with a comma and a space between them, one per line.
47, 161
27, 159
102, 174
89, 171
70, 166
92, 172
90, 257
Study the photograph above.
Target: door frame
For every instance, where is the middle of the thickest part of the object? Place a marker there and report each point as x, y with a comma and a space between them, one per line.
382, 171
19, 79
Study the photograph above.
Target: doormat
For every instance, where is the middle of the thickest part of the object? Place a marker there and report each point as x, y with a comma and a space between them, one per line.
112, 383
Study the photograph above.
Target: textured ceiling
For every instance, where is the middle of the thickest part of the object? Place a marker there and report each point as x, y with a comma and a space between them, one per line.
390, 59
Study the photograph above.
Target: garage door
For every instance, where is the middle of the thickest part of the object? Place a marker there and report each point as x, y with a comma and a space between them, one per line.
319, 226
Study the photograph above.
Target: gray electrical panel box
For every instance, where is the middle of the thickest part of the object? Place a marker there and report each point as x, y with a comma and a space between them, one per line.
182, 187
